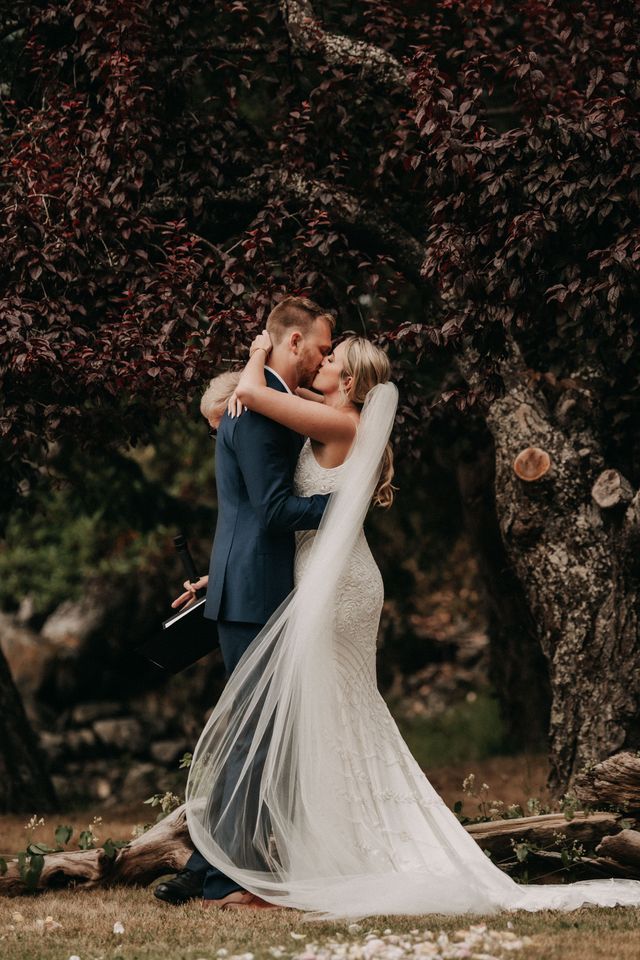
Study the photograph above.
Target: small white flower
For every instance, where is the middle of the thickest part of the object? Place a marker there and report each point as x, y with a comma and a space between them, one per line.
74, 957
118, 927
222, 952
296, 936
34, 822
354, 928
47, 925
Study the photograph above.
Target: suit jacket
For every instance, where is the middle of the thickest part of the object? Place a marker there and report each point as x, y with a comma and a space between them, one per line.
251, 567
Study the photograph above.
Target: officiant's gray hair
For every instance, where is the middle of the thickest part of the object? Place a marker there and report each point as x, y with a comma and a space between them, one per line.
214, 399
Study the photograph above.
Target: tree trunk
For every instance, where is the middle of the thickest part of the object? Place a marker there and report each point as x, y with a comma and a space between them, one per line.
25, 786
518, 668
573, 553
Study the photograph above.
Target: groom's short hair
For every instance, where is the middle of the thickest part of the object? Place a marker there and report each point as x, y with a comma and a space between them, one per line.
295, 312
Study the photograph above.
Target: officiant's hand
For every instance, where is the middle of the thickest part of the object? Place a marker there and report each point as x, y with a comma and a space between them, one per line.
190, 592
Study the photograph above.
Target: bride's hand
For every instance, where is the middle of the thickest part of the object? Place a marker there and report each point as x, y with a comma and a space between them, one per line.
261, 342
234, 406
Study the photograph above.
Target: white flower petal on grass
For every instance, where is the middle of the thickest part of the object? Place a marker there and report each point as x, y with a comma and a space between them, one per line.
354, 928
47, 925
222, 952
118, 927
297, 936
74, 957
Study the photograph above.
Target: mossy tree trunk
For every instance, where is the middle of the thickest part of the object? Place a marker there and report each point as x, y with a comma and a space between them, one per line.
571, 537
518, 669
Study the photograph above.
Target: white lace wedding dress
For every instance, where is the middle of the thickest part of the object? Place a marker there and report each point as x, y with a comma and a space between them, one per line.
320, 805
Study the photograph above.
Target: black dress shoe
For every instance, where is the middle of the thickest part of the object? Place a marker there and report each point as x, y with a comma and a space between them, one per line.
186, 885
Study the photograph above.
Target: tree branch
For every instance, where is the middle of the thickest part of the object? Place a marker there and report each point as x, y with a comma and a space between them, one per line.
307, 34
347, 212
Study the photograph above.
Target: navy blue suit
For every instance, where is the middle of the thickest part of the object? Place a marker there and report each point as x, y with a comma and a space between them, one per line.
251, 567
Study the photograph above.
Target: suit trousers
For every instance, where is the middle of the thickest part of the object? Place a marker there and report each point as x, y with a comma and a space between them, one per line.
234, 638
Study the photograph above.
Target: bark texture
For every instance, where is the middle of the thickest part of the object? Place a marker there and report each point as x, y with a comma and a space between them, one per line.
575, 561
25, 785
497, 836
518, 668
616, 781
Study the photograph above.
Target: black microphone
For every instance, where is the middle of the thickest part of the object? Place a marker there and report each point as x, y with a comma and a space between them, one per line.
182, 549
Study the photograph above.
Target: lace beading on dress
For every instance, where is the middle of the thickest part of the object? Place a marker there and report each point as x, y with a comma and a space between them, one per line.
372, 779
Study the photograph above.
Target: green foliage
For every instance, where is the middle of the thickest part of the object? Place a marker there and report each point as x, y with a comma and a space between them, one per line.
522, 850
63, 834
35, 849
87, 840
3, 866
30, 867
167, 802
111, 847
185, 761
102, 518
467, 731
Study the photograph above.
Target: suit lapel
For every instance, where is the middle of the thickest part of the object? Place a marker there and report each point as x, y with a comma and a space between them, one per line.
272, 381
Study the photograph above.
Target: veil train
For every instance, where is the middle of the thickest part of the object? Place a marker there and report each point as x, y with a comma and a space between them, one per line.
301, 788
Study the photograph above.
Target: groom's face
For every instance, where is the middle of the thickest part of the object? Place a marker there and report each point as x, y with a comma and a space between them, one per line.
313, 347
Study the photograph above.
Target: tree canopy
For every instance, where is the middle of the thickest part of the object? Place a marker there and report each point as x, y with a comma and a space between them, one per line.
437, 174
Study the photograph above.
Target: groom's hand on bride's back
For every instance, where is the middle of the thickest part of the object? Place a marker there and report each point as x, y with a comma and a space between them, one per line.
190, 592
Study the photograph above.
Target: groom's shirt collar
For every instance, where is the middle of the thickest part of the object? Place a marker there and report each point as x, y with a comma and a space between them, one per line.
278, 377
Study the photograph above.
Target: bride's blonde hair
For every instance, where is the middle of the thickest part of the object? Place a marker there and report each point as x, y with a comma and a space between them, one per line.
368, 365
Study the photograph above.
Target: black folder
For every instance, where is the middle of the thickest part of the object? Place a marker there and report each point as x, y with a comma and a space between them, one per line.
186, 637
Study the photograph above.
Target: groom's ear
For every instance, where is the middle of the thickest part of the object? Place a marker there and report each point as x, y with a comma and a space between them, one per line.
295, 339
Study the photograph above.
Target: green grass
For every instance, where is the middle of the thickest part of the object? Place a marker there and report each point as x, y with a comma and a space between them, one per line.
468, 731
155, 931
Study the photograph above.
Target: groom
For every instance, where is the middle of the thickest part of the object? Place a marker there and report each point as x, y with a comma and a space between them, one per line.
251, 568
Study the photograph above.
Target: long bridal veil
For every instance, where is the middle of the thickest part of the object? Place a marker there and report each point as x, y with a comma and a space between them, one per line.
301, 788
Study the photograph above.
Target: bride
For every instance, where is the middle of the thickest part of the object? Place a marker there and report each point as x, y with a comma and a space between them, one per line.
301, 787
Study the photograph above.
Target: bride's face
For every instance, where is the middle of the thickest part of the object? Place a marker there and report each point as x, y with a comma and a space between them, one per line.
328, 377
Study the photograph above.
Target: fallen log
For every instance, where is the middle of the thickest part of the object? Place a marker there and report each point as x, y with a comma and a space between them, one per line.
498, 836
615, 780
623, 847
548, 866
166, 847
